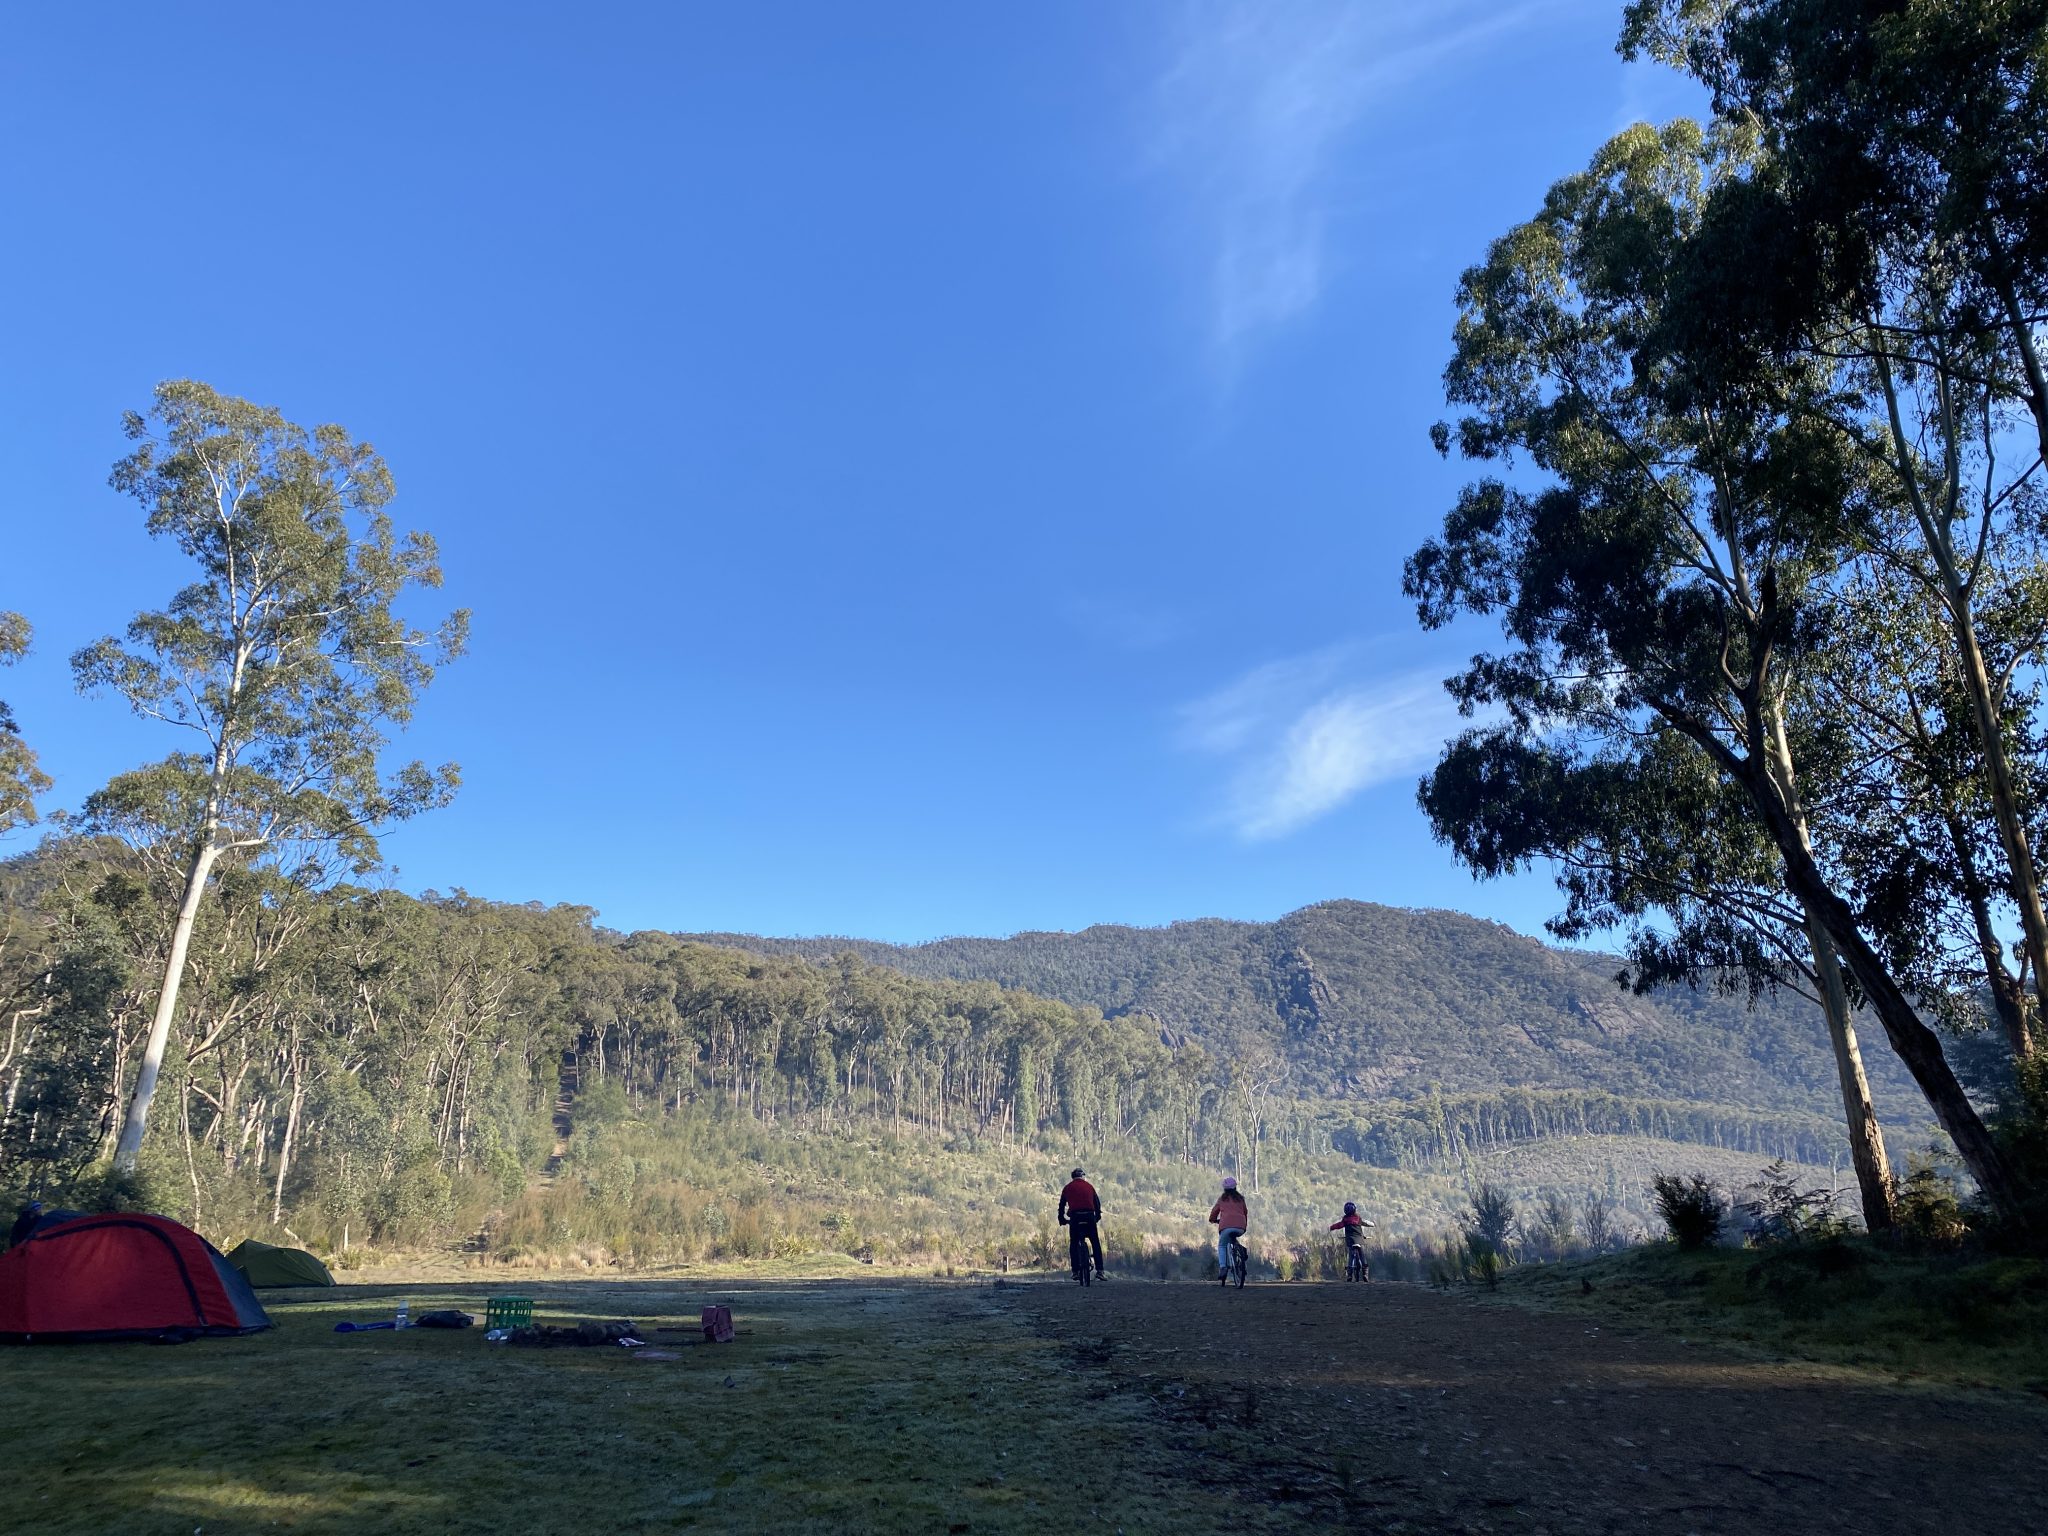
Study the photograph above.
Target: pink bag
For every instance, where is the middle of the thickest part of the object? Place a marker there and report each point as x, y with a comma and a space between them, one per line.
717, 1325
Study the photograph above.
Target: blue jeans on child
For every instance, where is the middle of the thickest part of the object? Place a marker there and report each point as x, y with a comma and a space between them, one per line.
1223, 1248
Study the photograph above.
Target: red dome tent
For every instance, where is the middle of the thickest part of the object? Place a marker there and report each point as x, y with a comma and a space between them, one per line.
121, 1275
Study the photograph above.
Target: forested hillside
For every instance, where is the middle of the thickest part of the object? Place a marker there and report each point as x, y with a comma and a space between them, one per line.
363, 1066
1365, 1002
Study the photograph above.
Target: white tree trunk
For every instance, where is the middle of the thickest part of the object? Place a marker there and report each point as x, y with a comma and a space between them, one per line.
1866, 1140
128, 1152
291, 1129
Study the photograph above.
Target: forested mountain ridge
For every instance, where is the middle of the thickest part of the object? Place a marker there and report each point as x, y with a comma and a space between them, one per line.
361, 1065
1377, 1003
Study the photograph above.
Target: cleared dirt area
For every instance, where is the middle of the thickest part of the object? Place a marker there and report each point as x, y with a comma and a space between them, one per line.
1400, 1409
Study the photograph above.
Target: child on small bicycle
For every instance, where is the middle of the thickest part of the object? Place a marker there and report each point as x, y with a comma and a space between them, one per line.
1353, 1226
1230, 1216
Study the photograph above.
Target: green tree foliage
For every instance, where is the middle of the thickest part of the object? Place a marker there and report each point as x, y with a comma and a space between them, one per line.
21, 778
1692, 1207
1713, 507
370, 1062
284, 659
1905, 152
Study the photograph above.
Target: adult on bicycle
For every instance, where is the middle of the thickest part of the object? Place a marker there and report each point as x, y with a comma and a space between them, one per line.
1231, 1218
1081, 1208
1353, 1226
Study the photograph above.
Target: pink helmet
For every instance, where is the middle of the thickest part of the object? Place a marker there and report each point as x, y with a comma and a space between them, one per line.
1230, 1183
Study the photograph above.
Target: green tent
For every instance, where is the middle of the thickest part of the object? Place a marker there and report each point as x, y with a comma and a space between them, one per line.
266, 1265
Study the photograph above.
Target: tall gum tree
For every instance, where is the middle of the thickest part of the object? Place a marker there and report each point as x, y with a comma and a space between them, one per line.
285, 660
1669, 581
1907, 142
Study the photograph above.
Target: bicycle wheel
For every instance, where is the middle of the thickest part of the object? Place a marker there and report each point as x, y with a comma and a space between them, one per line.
1238, 1259
1084, 1269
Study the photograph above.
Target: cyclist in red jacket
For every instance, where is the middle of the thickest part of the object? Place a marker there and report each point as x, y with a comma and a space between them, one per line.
1081, 1208
1231, 1217
1353, 1226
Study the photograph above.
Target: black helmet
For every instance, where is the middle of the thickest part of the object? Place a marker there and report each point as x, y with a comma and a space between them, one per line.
1350, 1209
1077, 1173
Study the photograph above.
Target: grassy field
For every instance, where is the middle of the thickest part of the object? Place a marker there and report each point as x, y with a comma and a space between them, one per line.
841, 1407
889, 1404
1950, 1321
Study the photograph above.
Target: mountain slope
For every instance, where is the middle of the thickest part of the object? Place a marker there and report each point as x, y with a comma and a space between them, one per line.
1378, 1002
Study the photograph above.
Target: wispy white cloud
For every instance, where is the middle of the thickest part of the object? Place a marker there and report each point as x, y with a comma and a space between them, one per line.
1304, 735
1252, 111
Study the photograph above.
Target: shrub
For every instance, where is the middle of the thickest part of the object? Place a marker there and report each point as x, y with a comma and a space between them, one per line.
1693, 1208
1556, 1232
2021, 1127
1040, 1248
1492, 1217
1780, 1211
1597, 1221
1482, 1261
1930, 1210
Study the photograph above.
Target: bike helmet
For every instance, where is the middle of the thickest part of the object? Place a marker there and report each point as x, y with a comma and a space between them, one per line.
1350, 1209
1077, 1173
1230, 1183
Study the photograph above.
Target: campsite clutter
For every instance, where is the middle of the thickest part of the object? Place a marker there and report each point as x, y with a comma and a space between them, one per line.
446, 1318
549, 1336
69, 1275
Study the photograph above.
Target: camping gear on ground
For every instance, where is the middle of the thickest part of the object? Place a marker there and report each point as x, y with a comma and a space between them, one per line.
508, 1312
122, 1275
717, 1323
546, 1336
447, 1318
268, 1265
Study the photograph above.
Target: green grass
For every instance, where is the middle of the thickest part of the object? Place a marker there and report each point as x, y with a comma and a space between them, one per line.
1952, 1321
843, 1406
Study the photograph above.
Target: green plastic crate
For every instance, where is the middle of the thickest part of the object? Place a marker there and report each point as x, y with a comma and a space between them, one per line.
508, 1312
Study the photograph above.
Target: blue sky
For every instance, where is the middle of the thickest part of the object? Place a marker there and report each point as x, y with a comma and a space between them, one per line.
916, 469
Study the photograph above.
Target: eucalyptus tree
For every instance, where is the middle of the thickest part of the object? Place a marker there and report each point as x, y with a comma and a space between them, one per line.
21, 777
284, 660
1669, 582
1651, 838
1904, 202
1915, 830
62, 966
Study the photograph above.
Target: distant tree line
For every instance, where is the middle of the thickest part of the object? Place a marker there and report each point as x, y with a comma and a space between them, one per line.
360, 1052
1444, 1127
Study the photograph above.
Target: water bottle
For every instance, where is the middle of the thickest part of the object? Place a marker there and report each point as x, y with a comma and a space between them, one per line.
404, 1318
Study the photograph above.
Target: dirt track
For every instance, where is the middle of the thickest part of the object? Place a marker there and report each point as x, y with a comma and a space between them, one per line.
1405, 1410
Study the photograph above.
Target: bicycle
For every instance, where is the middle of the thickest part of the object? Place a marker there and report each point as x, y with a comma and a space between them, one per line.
1240, 1256
1355, 1266
1078, 1255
